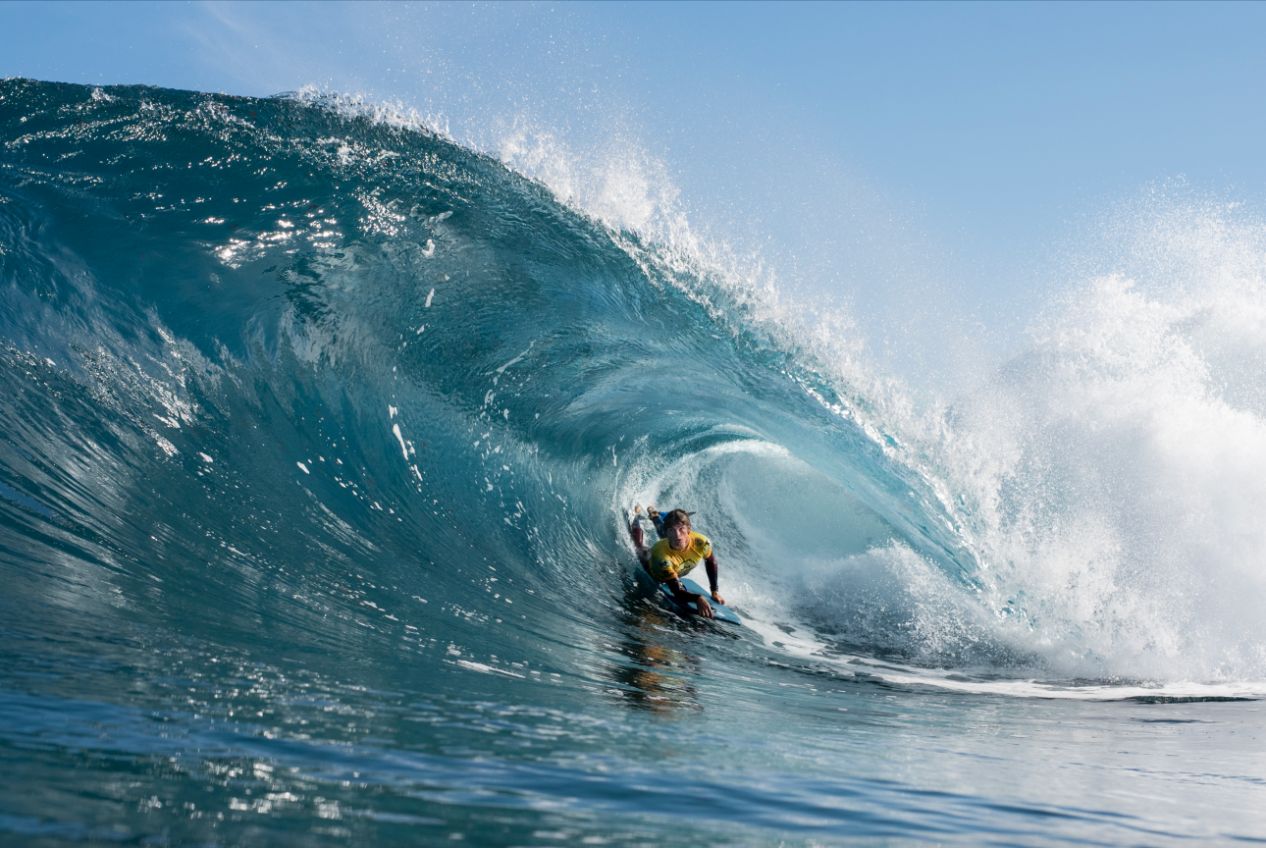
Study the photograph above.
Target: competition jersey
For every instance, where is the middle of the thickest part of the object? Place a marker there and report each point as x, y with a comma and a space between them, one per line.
666, 563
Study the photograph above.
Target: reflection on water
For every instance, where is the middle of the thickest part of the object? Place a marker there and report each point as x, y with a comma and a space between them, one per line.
657, 677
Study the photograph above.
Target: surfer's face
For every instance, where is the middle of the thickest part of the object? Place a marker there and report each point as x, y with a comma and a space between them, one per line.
679, 536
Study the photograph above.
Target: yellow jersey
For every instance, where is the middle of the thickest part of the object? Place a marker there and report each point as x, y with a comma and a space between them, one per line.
666, 563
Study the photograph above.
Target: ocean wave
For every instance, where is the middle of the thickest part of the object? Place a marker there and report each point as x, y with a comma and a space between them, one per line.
299, 369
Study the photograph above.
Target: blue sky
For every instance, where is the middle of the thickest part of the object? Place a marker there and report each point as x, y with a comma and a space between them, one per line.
882, 154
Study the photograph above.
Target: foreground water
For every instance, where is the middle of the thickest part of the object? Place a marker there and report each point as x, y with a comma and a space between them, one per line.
317, 430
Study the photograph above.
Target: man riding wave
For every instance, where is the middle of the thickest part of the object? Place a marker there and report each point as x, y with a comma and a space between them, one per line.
675, 555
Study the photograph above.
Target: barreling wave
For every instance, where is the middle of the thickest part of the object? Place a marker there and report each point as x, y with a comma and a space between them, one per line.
280, 372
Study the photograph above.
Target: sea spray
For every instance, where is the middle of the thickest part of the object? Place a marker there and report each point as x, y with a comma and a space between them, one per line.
1108, 476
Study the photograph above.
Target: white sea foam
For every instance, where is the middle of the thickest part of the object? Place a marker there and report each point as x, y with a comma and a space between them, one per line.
1111, 478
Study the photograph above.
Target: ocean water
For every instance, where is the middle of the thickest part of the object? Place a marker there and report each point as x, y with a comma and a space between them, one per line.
317, 435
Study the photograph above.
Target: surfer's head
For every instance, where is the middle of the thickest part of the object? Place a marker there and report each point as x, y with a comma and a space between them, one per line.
677, 528
677, 516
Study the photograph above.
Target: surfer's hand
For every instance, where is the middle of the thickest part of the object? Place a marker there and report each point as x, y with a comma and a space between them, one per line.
716, 596
705, 608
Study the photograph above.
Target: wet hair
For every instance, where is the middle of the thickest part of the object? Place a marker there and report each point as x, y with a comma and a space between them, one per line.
677, 516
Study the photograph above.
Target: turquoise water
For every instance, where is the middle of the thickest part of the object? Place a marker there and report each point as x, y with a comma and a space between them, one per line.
317, 434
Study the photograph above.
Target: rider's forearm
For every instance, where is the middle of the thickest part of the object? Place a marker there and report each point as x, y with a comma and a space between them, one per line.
711, 564
681, 593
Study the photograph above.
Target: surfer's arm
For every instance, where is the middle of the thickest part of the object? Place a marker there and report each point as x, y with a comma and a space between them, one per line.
684, 597
643, 552
711, 565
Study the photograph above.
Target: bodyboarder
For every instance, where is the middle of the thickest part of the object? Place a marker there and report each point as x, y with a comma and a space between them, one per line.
675, 555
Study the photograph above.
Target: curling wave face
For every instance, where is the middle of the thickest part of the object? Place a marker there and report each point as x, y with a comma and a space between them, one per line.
275, 353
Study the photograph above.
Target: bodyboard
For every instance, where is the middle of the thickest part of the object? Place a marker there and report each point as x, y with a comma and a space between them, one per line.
690, 609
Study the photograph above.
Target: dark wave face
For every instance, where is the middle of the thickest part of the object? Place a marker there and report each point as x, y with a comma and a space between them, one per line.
318, 438
272, 366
